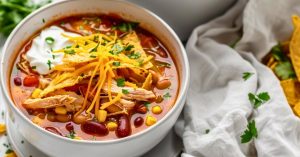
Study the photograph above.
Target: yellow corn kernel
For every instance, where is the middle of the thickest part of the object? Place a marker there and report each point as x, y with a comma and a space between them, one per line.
156, 109
36, 93
2, 128
150, 120
60, 110
102, 114
37, 120
77, 138
112, 126
11, 154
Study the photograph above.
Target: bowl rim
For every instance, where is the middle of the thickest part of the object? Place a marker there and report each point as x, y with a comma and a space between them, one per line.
180, 97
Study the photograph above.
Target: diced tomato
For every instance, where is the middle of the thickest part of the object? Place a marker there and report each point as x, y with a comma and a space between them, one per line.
31, 81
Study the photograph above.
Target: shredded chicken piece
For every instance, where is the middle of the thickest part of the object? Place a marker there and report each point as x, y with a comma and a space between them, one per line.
49, 102
133, 94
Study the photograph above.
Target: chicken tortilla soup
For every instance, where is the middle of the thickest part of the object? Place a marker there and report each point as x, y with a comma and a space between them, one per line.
94, 77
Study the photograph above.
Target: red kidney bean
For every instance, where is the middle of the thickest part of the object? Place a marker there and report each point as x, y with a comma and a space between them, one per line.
53, 130
124, 128
70, 127
31, 80
138, 121
94, 128
18, 81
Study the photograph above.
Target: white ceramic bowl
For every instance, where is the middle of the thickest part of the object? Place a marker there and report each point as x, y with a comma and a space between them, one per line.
55, 145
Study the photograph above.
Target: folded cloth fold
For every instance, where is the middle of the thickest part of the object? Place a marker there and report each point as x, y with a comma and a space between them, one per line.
218, 110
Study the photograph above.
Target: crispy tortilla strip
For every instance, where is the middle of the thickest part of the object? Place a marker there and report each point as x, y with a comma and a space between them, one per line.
289, 91
295, 46
296, 109
133, 39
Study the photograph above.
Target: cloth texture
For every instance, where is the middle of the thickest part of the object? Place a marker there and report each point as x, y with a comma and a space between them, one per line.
218, 101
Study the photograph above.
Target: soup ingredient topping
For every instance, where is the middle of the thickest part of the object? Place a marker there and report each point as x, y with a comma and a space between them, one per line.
150, 120
41, 56
249, 133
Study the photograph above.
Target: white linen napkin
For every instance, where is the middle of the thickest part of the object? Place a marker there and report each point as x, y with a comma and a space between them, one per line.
218, 96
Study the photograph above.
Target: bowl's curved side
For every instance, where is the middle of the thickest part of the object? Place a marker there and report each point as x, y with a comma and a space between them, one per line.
55, 145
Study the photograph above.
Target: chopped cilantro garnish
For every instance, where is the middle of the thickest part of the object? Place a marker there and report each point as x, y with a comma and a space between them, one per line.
125, 91
147, 105
33, 67
70, 51
49, 64
49, 40
278, 53
71, 135
249, 133
67, 47
167, 95
92, 56
284, 70
96, 38
247, 75
116, 49
116, 63
258, 100
53, 56
121, 82
133, 55
126, 26
129, 47
44, 20
95, 49
77, 46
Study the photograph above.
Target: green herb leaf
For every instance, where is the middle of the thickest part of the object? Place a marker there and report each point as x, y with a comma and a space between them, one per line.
92, 56
247, 75
133, 55
125, 91
258, 100
207, 131
13, 11
167, 95
69, 52
71, 135
278, 53
49, 64
249, 133
147, 105
126, 26
49, 40
129, 47
284, 70
8, 151
116, 49
53, 56
116, 63
95, 49
121, 82
33, 67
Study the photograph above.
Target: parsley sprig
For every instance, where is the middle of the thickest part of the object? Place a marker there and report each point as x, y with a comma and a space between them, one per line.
247, 75
249, 133
259, 99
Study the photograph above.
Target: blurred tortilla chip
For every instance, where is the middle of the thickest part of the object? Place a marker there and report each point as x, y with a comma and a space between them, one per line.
295, 46
289, 88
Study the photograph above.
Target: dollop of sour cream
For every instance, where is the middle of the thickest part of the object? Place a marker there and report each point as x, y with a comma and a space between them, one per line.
40, 55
